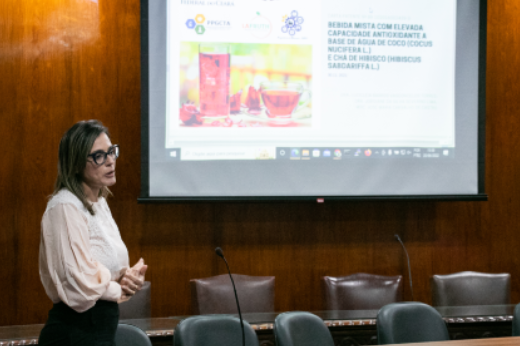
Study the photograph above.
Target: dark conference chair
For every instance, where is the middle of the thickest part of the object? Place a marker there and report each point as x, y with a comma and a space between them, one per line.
409, 322
471, 288
516, 321
361, 291
301, 329
128, 335
139, 306
214, 295
214, 331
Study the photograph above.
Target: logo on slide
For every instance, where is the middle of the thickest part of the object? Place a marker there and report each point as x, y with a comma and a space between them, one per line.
259, 26
197, 24
292, 23
200, 19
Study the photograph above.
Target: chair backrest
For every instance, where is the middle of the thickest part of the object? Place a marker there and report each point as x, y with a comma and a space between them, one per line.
214, 295
471, 288
409, 322
213, 330
361, 291
301, 329
516, 321
139, 306
128, 335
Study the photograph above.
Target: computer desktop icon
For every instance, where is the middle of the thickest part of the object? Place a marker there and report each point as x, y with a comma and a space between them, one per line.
326, 153
295, 153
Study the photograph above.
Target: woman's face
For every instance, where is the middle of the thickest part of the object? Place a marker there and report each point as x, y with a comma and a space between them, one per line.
96, 176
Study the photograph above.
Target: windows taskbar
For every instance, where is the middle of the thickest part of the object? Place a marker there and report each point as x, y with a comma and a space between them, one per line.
304, 153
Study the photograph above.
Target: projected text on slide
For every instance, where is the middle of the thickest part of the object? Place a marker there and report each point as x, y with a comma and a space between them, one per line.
375, 74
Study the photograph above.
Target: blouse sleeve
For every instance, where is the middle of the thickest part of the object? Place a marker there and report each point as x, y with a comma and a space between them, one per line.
79, 280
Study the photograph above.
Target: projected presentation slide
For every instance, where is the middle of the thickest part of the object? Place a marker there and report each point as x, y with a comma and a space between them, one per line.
248, 80
284, 98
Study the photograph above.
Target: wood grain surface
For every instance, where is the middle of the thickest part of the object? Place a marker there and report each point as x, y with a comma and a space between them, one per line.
62, 61
510, 341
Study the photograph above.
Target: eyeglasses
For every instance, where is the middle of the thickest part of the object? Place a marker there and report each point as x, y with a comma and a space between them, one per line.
99, 157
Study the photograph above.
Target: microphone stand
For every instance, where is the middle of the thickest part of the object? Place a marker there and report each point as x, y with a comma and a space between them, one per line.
408, 258
219, 252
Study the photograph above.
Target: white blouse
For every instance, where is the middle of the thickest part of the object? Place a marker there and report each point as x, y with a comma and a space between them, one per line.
81, 255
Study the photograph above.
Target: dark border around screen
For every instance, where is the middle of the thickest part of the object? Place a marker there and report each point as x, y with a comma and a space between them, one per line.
482, 97
145, 103
145, 148
437, 198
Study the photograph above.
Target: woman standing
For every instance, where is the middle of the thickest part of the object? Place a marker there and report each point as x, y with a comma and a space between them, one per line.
83, 260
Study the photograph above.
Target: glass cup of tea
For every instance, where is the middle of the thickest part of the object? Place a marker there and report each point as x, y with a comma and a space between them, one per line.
282, 99
214, 82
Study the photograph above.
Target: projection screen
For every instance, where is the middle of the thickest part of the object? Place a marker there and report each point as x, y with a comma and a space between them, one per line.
334, 99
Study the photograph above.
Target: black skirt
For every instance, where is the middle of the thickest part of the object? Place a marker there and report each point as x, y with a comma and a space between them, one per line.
94, 327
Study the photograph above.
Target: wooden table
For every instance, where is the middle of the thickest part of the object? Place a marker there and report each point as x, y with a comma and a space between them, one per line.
160, 331
348, 328
506, 341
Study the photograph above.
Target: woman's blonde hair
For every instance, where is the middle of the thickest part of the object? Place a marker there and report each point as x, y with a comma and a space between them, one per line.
75, 146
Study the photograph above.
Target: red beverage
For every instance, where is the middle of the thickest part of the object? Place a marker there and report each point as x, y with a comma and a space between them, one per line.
280, 103
214, 84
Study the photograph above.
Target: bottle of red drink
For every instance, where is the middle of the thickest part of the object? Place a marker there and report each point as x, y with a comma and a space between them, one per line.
214, 63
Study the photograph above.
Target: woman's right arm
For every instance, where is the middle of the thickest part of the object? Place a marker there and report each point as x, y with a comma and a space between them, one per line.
78, 279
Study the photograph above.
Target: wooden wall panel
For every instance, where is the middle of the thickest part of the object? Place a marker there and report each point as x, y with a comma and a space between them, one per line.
66, 60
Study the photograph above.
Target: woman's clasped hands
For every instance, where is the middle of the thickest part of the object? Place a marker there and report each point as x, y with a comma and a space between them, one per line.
132, 280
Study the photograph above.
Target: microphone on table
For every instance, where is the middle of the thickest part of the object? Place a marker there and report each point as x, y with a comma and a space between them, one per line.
408, 258
219, 252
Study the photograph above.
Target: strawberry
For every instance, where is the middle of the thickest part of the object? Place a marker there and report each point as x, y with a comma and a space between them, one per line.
253, 99
189, 114
234, 102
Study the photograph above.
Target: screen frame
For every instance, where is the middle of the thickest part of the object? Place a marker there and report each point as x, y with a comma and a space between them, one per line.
145, 135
